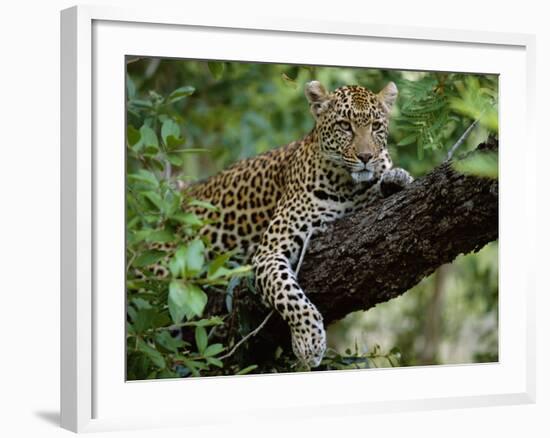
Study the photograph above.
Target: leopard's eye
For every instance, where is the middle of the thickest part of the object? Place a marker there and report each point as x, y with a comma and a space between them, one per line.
346, 126
376, 126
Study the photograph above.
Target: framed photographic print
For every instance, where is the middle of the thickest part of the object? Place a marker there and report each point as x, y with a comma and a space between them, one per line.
277, 208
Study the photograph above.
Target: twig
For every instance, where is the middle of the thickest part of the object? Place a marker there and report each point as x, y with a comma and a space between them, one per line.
248, 336
264, 322
303, 253
167, 170
462, 139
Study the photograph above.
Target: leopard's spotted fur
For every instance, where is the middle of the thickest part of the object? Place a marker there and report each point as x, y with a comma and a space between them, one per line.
269, 204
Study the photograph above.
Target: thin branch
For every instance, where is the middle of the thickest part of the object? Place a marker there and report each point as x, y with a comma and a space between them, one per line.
248, 336
303, 253
167, 170
462, 138
264, 322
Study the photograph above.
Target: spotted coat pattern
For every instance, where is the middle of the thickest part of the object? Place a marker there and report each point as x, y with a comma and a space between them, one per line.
270, 204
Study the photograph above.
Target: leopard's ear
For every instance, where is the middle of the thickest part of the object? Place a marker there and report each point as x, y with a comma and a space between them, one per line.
387, 96
317, 97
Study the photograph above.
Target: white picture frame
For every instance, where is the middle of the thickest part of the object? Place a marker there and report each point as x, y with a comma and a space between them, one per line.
94, 41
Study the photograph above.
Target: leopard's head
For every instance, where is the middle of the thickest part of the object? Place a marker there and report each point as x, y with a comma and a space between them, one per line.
352, 127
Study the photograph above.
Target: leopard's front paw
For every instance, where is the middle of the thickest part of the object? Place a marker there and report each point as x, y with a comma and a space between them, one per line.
309, 341
394, 180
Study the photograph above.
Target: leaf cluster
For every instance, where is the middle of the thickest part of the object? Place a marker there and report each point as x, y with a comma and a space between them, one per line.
435, 109
168, 332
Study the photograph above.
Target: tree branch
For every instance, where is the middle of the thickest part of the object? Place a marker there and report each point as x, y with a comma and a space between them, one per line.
383, 250
462, 139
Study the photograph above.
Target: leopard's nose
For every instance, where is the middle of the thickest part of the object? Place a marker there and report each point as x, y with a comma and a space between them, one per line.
365, 157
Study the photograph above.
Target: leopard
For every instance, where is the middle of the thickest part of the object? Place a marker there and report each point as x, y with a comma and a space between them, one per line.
270, 205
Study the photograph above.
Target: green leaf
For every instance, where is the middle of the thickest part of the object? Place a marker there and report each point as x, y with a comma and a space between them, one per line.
213, 350
201, 338
174, 142
197, 300
132, 135
151, 353
490, 120
130, 87
144, 320
218, 262
149, 138
481, 164
175, 159
476, 103
167, 374
169, 129
166, 340
154, 162
223, 272
193, 365
155, 199
185, 300
190, 219
148, 258
194, 260
172, 203
409, 139
145, 177
140, 303
214, 361
180, 93
130, 329
177, 263
216, 69
246, 370
140, 103
177, 301
162, 319
161, 236
202, 204
420, 150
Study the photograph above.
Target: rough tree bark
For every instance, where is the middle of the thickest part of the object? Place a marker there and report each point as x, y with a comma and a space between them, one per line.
384, 249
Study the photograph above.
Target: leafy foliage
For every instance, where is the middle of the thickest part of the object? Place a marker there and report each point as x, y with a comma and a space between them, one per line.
158, 214
357, 359
484, 164
434, 106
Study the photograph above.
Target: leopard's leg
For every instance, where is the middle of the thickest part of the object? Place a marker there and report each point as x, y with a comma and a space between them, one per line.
274, 264
394, 180
391, 181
